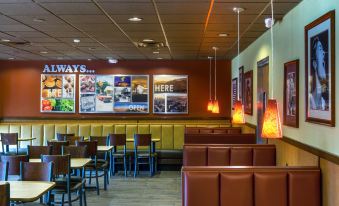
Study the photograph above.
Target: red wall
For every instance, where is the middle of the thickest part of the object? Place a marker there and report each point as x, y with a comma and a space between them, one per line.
20, 86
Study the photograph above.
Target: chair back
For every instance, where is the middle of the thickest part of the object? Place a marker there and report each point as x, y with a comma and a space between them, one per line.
63, 137
3, 171
56, 146
36, 171
117, 139
73, 139
4, 194
62, 163
102, 140
9, 138
142, 140
14, 163
75, 151
92, 147
35, 152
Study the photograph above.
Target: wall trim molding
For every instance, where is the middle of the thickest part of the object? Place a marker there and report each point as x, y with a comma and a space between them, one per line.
318, 152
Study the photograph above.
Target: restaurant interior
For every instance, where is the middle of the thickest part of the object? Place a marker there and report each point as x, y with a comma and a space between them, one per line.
169, 102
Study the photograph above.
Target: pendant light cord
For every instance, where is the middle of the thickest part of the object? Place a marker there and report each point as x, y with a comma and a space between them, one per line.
210, 58
272, 47
215, 73
238, 47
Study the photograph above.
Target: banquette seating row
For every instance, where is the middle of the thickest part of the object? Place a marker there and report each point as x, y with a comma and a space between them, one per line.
248, 186
211, 130
219, 138
229, 155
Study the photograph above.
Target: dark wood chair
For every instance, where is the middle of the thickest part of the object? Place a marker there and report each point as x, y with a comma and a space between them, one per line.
57, 146
14, 163
37, 171
102, 140
119, 140
95, 165
144, 140
9, 139
5, 194
75, 151
62, 178
3, 171
63, 137
35, 152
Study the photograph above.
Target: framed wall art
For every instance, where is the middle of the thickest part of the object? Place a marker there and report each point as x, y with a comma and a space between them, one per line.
57, 93
241, 83
114, 94
320, 70
248, 92
170, 94
234, 91
291, 94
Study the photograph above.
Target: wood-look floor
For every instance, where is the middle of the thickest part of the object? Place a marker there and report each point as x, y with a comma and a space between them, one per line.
163, 189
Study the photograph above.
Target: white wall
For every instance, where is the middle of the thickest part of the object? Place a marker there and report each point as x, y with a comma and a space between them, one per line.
289, 45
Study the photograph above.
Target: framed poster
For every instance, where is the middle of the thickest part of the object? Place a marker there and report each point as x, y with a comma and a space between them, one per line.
57, 93
114, 94
234, 91
320, 70
170, 94
248, 92
241, 83
291, 94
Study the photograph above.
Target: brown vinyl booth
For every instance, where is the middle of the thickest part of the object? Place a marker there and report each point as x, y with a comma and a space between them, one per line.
219, 138
211, 130
248, 186
229, 155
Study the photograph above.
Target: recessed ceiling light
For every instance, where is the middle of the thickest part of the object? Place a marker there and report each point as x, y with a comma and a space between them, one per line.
135, 19
60, 58
89, 59
39, 20
148, 40
215, 48
10, 58
43, 52
159, 58
238, 9
156, 52
5, 40
76, 40
269, 22
112, 61
223, 35
91, 48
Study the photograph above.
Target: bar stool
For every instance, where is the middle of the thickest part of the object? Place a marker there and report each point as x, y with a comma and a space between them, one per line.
119, 140
143, 140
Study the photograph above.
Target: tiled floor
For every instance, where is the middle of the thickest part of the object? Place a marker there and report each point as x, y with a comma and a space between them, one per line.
164, 189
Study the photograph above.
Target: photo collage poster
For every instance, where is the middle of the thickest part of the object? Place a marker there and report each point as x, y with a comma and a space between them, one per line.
114, 94
57, 93
170, 94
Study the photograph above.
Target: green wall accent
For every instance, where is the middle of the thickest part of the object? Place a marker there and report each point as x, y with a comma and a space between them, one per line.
289, 45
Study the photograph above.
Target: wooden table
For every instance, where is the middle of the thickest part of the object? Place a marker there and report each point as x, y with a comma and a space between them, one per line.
28, 191
26, 139
76, 163
104, 148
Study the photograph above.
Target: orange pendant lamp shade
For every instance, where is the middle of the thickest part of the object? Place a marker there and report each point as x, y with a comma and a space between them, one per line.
215, 109
271, 125
238, 115
210, 105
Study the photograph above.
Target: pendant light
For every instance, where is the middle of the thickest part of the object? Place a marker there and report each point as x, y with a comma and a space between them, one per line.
210, 102
271, 125
215, 109
238, 114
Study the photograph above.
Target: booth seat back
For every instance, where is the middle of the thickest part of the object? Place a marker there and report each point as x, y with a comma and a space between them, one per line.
248, 186
229, 155
171, 134
217, 138
213, 130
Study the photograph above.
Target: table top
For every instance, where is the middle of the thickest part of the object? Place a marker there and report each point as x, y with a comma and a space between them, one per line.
28, 191
132, 140
104, 148
76, 163
26, 139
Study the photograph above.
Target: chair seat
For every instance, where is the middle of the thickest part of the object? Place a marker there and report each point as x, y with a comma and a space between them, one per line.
75, 179
61, 187
146, 155
101, 164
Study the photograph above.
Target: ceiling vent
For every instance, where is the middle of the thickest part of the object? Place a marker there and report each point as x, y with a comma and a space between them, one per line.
150, 44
